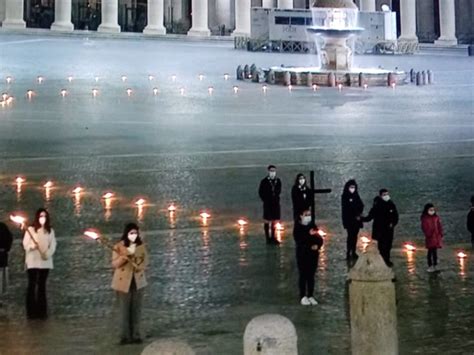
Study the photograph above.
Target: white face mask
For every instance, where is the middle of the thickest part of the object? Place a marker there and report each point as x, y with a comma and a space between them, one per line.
302, 181
272, 174
42, 221
132, 237
431, 213
352, 190
386, 198
306, 220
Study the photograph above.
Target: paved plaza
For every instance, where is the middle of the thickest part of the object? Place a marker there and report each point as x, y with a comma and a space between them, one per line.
209, 152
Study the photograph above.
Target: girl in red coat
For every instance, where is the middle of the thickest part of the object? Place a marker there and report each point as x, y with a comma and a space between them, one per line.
433, 231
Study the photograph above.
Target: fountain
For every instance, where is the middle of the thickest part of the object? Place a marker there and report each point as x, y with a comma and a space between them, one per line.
334, 28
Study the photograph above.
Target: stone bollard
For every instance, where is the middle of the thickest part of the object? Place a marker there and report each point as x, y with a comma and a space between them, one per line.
372, 305
331, 80
271, 77
287, 78
419, 80
430, 77
309, 79
253, 69
239, 72
391, 79
168, 347
424, 79
361, 79
246, 71
270, 334
412, 75
295, 78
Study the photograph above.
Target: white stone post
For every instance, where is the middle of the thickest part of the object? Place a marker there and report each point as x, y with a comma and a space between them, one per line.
199, 15
14, 14
447, 23
270, 334
268, 4
109, 13
62, 16
367, 5
408, 21
242, 18
155, 13
285, 4
373, 307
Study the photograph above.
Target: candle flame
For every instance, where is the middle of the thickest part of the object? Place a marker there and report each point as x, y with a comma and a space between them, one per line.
226, 76
108, 195
315, 87
322, 233
155, 91
30, 93
462, 255
95, 92
201, 77
181, 91
77, 190
279, 227
409, 247
365, 240
48, 184
339, 86
205, 215
69, 78
124, 78
9, 79
17, 219
290, 87
264, 89
140, 202
151, 77
366, 86
96, 79
40, 79
173, 77
236, 89
210, 90
91, 234
242, 222
171, 208
129, 92
63, 92
20, 180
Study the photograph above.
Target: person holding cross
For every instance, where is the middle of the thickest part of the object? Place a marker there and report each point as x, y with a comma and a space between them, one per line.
269, 192
39, 243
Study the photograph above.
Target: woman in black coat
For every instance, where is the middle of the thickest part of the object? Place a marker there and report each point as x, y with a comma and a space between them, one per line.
308, 243
352, 208
300, 196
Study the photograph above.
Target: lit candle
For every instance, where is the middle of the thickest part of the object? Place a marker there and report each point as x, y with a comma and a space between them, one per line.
226, 76
69, 78
9, 79
155, 91
242, 223
393, 85
339, 86
205, 215
210, 89
95, 92
108, 195
140, 202
124, 78
315, 87
201, 77
181, 91
290, 87
365, 240
77, 190
462, 255
40, 79
151, 77
19, 180
173, 77
18, 220
279, 227
96, 79
4, 96
264, 89
236, 89
29, 94
322, 233
172, 208
366, 86
63, 92
129, 92
48, 185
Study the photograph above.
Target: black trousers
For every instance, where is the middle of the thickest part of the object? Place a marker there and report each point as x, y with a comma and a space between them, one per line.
36, 303
307, 264
385, 247
432, 257
352, 234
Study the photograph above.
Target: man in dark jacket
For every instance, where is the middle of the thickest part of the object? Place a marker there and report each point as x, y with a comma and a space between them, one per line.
269, 192
385, 216
470, 221
6, 240
352, 208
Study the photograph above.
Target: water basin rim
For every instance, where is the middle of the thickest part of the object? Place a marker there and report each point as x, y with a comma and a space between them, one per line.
318, 70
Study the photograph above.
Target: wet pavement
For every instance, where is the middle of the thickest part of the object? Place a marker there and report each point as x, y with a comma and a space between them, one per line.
209, 152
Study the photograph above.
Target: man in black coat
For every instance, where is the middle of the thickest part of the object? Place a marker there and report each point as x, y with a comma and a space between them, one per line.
269, 192
385, 216
470, 221
6, 240
352, 208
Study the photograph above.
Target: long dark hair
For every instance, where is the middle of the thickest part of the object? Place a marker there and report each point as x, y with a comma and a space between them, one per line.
297, 180
426, 208
126, 230
349, 183
36, 223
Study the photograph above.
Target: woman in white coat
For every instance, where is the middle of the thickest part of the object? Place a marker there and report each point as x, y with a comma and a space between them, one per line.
39, 243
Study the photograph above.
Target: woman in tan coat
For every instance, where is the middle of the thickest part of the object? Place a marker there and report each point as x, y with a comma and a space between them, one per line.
129, 259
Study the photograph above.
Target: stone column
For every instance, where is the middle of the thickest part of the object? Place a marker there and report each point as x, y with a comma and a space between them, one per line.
285, 4
447, 23
242, 18
408, 21
14, 14
373, 307
155, 13
367, 5
268, 4
62, 16
199, 15
270, 334
109, 13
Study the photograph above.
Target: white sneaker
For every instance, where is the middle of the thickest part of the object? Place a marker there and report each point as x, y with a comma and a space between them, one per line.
431, 269
305, 301
313, 301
